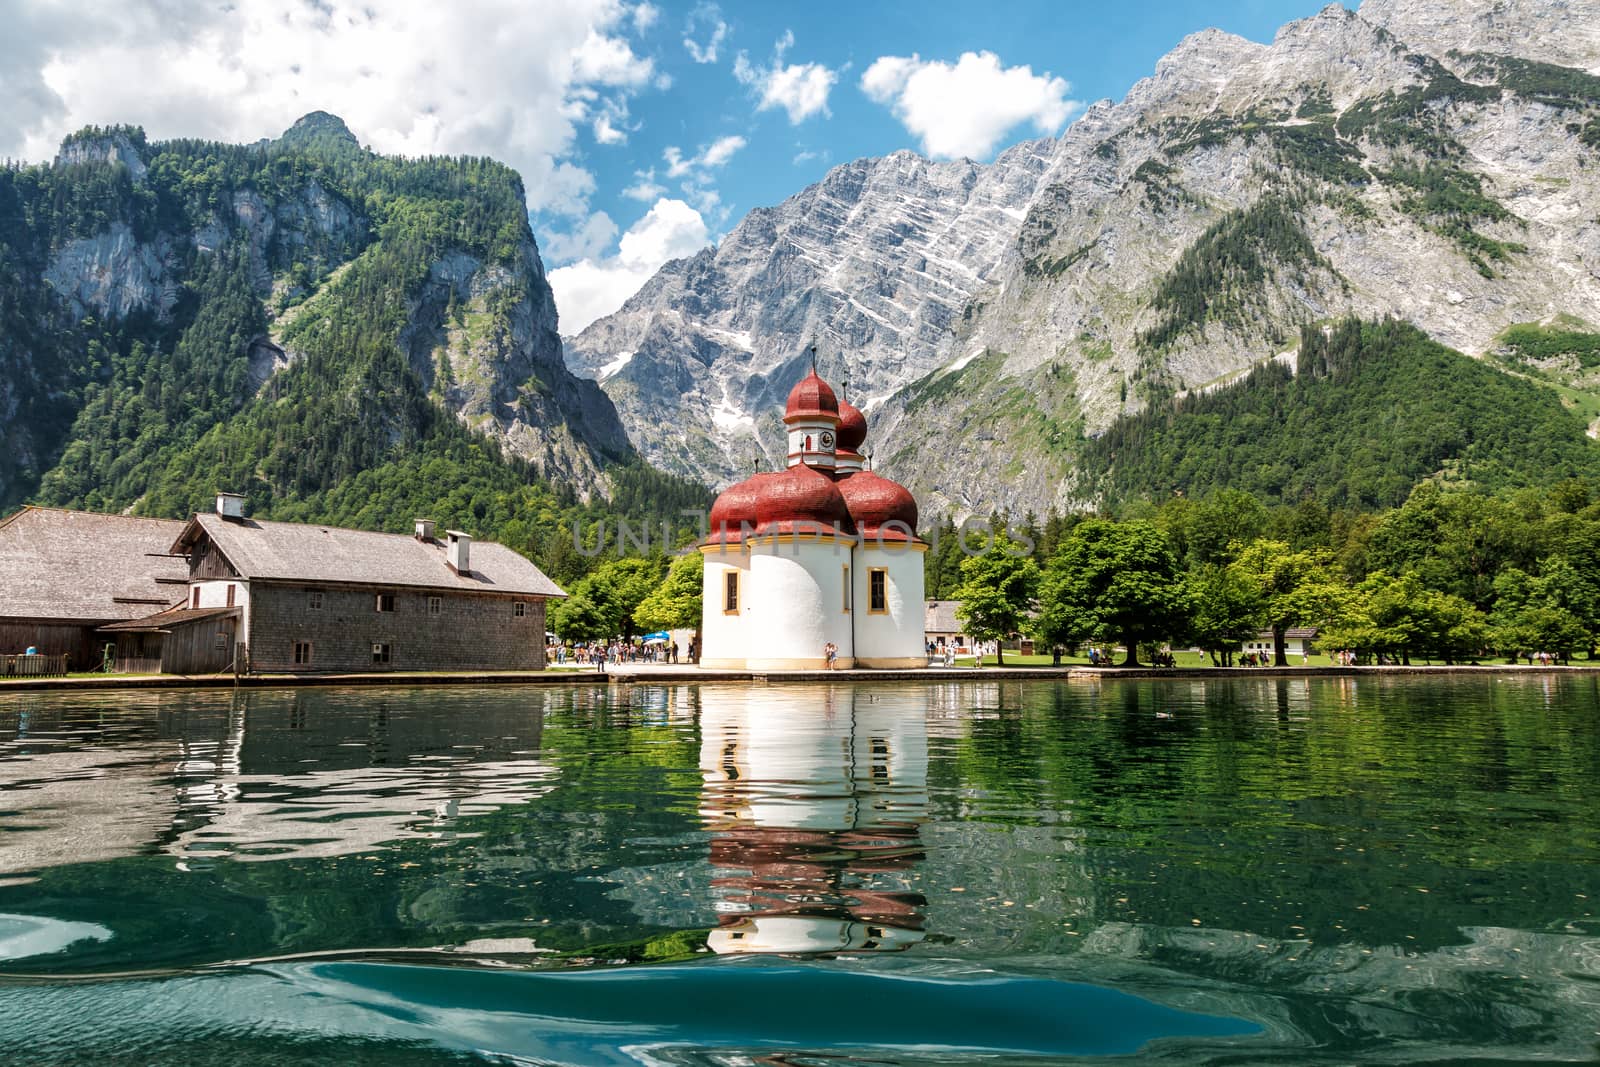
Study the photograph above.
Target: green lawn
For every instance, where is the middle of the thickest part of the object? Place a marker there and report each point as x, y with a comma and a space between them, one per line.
1184, 657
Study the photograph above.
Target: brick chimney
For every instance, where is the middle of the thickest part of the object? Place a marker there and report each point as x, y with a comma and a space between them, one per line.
458, 551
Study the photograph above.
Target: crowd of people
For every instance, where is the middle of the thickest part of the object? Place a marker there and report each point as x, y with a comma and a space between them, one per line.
600, 653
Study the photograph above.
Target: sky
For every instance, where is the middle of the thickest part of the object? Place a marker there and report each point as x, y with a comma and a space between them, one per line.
644, 129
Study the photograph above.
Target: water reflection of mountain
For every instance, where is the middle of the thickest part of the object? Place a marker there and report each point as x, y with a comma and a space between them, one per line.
815, 799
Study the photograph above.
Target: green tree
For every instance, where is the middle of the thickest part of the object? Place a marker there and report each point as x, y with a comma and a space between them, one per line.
675, 603
582, 616
1297, 588
996, 592
1401, 617
603, 602
1113, 581
1529, 617
1221, 523
1453, 541
1226, 610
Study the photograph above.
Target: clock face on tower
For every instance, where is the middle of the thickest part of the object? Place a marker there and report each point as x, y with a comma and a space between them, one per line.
826, 440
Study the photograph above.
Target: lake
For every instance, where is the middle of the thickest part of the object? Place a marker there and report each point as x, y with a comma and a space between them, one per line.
1237, 870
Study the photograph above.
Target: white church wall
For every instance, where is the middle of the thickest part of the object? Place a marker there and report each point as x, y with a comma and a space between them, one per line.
894, 638
723, 635
799, 603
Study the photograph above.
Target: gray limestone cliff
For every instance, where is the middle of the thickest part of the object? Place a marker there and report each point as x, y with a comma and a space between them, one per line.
875, 265
1432, 161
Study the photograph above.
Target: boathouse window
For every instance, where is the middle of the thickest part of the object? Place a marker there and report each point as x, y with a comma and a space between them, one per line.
436, 605
302, 653
385, 602
314, 601
878, 591
730, 593
381, 652
519, 609
847, 589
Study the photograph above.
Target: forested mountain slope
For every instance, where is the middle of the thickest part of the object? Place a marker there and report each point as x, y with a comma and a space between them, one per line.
1363, 414
280, 319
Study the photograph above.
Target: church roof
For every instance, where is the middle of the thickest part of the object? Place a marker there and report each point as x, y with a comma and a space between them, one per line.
811, 398
801, 499
805, 499
852, 427
881, 509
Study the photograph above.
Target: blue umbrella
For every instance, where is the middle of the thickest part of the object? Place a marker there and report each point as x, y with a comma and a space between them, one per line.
659, 635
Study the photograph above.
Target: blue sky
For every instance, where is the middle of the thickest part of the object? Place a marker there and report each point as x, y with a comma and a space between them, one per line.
643, 128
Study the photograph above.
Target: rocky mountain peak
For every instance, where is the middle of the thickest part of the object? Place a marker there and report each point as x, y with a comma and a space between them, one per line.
1563, 32
1201, 64
1362, 163
320, 130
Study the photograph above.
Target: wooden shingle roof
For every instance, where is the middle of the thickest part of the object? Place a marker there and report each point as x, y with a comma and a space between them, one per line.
166, 620
80, 566
305, 552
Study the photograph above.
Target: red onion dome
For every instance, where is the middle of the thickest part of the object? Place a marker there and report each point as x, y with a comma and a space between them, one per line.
810, 399
801, 499
852, 427
875, 502
735, 508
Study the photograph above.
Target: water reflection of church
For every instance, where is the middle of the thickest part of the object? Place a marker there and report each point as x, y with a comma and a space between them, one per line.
815, 799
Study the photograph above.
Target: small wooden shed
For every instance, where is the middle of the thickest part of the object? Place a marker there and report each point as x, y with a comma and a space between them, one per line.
177, 641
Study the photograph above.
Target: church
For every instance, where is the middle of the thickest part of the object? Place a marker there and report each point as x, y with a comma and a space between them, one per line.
822, 553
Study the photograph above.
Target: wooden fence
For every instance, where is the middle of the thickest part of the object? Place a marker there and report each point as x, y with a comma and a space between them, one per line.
33, 666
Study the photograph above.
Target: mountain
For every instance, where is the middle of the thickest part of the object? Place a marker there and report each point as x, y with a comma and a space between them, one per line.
1431, 162
277, 318
875, 265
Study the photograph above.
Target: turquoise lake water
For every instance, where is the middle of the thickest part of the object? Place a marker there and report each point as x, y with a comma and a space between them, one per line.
1232, 871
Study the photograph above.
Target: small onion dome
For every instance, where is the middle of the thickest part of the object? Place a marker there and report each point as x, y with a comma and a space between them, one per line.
801, 499
735, 509
852, 427
875, 502
811, 399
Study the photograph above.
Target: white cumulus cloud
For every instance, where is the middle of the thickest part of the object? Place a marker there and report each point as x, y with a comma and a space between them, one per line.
484, 77
708, 18
694, 173
598, 285
715, 154
965, 108
801, 89
586, 242
645, 188
645, 16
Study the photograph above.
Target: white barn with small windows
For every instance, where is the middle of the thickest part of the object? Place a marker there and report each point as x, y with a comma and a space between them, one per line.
321, 598
821, 553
